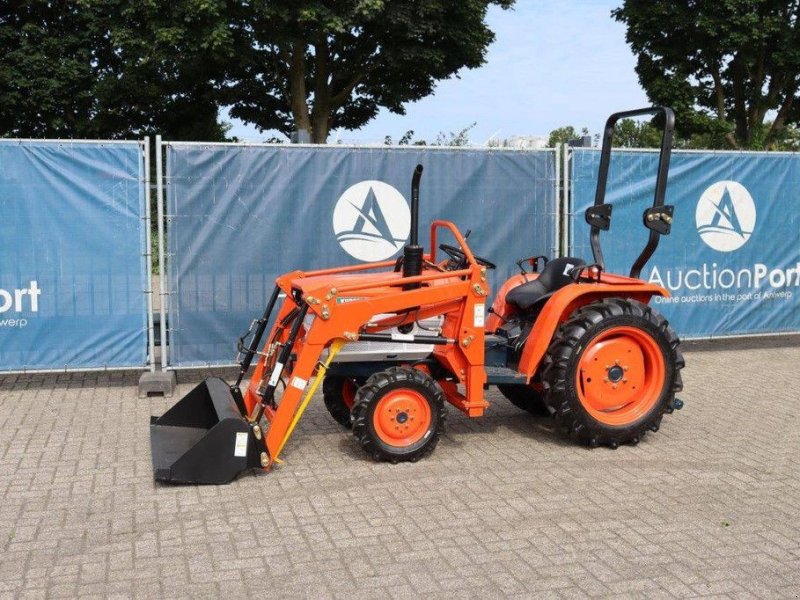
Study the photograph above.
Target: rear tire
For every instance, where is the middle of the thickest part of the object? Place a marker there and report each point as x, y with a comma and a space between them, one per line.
524, 397
339, 394
399, 415
611, 372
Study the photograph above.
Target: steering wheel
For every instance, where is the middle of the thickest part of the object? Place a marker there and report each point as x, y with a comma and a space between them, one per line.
458, 256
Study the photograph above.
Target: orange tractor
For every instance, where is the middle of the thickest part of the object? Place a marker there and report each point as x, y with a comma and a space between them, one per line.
567, 337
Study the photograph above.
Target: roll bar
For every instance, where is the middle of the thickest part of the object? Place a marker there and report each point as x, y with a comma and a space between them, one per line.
657, 218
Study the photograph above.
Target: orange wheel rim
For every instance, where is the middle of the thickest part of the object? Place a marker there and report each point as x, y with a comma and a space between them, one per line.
620, 375
402, 418
348, 393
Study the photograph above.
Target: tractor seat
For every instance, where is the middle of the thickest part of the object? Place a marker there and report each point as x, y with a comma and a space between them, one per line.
553, 277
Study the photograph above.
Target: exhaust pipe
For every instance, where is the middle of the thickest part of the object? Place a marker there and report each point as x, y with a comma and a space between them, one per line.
415, 205
412, 253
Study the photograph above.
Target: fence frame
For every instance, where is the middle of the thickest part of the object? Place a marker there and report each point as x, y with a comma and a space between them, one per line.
148, 291
162, 265
563, 180
151, 328
570, 212
162, 183
569, 208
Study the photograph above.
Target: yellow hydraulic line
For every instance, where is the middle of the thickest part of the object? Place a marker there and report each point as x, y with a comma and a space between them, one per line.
332, 352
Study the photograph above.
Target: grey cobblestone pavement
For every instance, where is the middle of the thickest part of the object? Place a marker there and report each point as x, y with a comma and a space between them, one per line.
708, 506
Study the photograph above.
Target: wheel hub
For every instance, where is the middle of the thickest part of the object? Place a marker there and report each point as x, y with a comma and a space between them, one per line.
620, 375
615, 373
402, 417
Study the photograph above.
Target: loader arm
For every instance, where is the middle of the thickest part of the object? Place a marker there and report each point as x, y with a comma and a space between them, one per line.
324, 309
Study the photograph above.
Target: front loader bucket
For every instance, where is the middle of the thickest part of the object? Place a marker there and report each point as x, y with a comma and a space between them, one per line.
203, 438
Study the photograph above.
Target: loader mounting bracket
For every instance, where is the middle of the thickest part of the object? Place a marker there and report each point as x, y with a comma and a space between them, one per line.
659, 218
599, 216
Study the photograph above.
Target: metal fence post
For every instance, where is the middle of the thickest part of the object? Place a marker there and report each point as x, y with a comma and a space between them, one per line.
566, 199
162, 266
558, 192
158, 382
148, 290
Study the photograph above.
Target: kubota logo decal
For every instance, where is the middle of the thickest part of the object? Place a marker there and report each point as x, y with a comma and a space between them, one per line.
725, 216
371, 220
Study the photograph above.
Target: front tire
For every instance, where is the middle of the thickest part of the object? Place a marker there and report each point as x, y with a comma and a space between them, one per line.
398, 415
612, 371
339, 394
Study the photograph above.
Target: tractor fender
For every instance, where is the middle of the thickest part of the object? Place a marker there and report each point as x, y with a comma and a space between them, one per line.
566, 301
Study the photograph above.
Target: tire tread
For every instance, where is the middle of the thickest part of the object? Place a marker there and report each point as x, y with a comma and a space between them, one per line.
562, 355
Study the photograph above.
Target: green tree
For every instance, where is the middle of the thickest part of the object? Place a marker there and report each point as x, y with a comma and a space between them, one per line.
113, 68
407, 139
165, 67
454, 138
46, 75
629, 133
318, 65
562, 135
790, 140
724, 65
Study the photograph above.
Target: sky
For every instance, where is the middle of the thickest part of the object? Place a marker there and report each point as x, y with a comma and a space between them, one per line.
553, 63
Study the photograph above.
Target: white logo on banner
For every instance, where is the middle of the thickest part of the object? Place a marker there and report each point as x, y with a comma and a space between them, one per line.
725, 216
371, 220
17, 301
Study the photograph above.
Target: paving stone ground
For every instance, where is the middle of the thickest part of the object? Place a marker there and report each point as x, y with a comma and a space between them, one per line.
708, 506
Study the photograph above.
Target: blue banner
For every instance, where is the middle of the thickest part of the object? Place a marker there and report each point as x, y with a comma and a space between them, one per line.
72, 270
732, 261
241, 215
